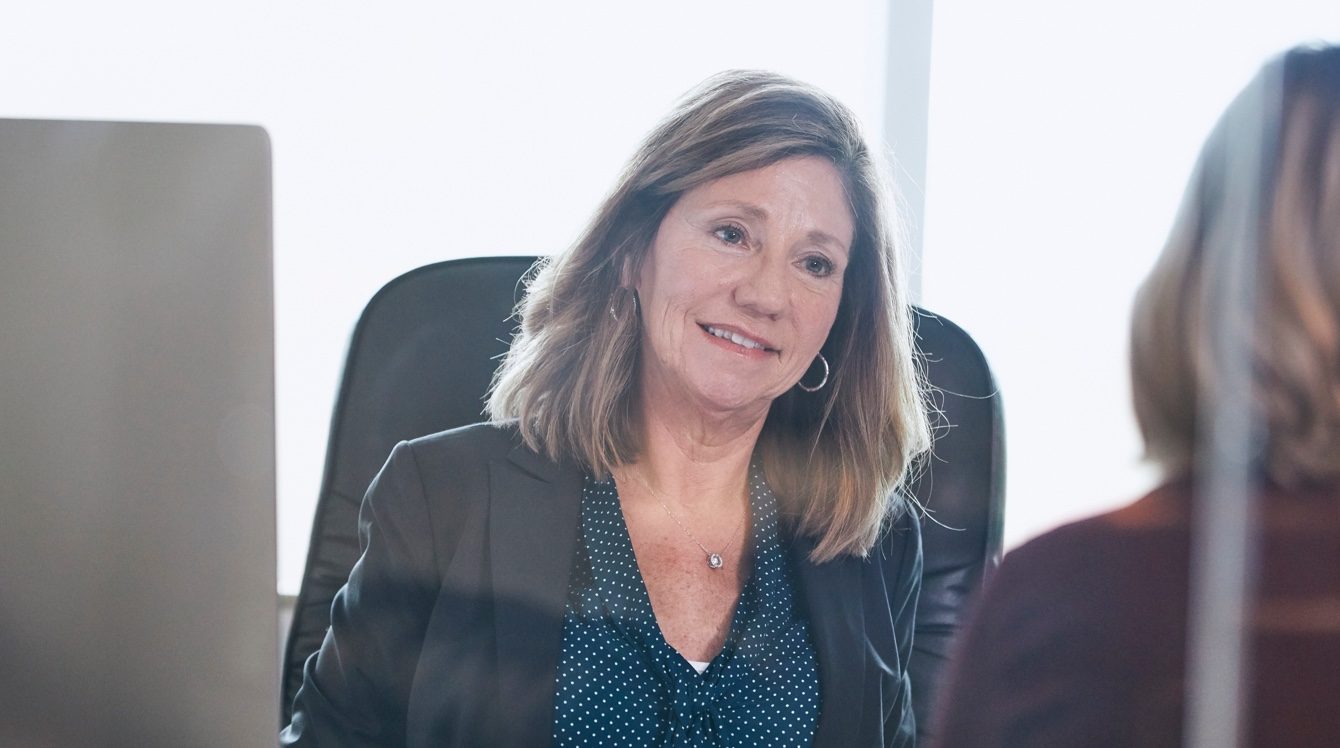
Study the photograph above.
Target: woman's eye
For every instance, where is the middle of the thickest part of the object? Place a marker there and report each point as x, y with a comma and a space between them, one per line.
818, 266
729, 234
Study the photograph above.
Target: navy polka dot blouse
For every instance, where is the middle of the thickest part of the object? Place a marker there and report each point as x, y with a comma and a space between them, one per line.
620, 683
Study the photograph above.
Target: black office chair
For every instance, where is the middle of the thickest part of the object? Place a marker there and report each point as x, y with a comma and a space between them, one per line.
421, 359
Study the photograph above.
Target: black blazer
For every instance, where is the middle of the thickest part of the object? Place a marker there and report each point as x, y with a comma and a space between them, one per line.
448, 631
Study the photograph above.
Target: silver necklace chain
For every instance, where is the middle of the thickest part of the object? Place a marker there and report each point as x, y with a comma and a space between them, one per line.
714, 560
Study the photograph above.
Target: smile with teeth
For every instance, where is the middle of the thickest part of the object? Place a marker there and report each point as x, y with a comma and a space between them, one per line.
736, 338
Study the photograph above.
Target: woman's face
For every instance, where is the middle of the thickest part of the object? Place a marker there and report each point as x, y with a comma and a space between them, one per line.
741, 286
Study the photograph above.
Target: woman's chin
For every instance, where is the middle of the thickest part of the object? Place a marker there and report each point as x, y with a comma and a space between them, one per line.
730, 403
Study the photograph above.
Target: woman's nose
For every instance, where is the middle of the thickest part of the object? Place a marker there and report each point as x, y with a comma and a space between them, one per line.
761, 287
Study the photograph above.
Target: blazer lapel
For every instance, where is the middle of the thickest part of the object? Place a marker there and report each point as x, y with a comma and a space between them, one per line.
533, 526
833, 601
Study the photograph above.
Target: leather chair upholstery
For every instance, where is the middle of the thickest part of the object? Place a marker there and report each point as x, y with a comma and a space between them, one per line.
962, 487
421, 359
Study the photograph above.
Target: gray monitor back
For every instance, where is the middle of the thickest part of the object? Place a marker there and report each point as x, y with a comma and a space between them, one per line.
137, 525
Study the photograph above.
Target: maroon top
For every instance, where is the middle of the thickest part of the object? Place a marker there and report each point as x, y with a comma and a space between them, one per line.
1079, 639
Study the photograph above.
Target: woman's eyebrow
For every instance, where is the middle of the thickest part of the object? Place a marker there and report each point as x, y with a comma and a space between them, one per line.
823, 237
748, 209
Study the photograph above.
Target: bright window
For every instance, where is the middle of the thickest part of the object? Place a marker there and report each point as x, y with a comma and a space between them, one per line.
1061, 136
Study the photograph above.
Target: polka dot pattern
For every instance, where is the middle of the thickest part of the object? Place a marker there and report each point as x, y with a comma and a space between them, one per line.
620, 683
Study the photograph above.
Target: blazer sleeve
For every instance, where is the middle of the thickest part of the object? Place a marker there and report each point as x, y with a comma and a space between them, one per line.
902, 558
356, 686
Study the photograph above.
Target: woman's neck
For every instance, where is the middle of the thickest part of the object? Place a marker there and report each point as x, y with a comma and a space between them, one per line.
692, 461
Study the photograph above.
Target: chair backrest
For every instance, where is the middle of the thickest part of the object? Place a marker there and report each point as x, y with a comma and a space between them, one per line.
421, 360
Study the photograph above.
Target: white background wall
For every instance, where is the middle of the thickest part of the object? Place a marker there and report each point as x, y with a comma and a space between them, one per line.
409, 132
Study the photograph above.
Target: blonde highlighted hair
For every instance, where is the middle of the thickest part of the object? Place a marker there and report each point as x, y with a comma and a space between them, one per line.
1294, 335
833, 458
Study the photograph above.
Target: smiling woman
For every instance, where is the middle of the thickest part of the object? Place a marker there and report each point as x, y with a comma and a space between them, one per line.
703, 420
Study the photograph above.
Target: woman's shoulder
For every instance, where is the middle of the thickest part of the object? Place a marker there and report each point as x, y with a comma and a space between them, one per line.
901, 534
455, 462
467, 452
477, 440
897, 554
1067, 624
1157, 515
1084, 563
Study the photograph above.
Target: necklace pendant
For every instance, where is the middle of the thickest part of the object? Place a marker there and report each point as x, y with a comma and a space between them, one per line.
714, 561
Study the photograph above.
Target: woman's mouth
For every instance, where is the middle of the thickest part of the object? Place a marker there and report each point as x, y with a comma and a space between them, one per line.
738, 338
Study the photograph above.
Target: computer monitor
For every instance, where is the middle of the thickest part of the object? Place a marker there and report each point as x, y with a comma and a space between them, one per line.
137, 525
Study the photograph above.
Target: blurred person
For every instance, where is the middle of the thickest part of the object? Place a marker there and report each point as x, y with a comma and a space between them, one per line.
1080, 638
665, 534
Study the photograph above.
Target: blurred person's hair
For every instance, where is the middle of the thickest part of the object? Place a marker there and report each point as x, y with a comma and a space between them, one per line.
833, 458
1293, 335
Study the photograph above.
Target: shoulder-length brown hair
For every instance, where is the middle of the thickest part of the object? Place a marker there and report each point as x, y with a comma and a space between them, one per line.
833, 458
1293, 337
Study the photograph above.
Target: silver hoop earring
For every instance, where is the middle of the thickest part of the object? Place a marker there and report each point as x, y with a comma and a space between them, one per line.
822, 382
616, 302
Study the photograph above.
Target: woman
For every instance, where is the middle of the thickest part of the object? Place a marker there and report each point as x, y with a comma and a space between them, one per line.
1080, 638
680, 527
